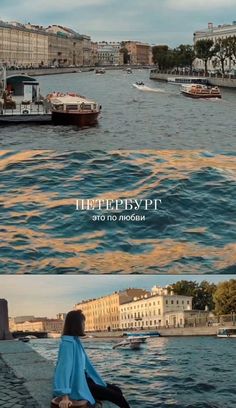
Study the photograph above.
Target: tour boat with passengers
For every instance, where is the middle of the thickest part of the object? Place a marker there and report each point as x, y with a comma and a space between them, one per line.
198, 91
73, 109
226, 332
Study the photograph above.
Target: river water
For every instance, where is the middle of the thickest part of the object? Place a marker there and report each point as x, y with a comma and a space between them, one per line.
132, 119
192, 231
196, 372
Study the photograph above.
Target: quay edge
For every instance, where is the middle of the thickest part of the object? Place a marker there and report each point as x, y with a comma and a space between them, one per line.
221, 82
35, 372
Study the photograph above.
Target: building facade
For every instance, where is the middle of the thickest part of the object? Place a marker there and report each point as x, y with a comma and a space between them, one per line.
21, 46
155, 311
38, 325
215, 33
103, 314
35, 46
139, 53
108, 53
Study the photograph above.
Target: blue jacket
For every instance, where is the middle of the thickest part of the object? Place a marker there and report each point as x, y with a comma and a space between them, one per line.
72, 364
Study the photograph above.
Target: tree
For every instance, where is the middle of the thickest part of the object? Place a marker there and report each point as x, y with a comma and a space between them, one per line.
202, 293
225, 297
222, 51
232, 47
185, 55
204, 51
163, 56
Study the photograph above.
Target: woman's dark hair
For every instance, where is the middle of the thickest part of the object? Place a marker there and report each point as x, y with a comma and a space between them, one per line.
73, 325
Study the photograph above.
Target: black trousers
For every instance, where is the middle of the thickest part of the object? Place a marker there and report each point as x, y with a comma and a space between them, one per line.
110, 393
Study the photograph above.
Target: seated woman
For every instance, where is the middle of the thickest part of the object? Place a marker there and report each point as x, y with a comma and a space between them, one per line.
75, 377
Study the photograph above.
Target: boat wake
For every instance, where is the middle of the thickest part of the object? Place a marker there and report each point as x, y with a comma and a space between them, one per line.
147, 88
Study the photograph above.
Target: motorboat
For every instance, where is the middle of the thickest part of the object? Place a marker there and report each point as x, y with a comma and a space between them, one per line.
24, 339
226, 332
198, 91
142, 87
129, 343
100, 71
142, 334
129, 71
73, 109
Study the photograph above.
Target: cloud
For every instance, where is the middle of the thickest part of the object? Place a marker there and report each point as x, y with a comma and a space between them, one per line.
199, 5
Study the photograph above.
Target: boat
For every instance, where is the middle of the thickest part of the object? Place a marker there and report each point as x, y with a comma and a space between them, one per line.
21, 102
187, 80
73, 109
100, 71
142, 334
226, 332
129, 71
142, 87
24, 339
130, 343
198, 91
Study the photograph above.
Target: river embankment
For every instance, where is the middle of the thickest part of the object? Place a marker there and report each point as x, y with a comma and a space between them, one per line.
25, 377
215, 81
67, 70
164, 332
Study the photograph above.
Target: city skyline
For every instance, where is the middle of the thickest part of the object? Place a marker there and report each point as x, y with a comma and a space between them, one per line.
155, 22
47, 296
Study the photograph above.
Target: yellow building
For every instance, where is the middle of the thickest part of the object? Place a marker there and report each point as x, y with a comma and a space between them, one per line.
104, 313
34, 46
38, 325
21, 46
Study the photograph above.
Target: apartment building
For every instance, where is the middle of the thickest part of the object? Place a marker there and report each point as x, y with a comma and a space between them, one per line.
157, 310
214, 33
139, 53
32, 45
40, 324
104, 313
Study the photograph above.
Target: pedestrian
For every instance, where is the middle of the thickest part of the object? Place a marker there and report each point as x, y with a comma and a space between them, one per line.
75, 377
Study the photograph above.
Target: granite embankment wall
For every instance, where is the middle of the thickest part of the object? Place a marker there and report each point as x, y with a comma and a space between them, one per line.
223, 82
25, 377
55, 71
167, 332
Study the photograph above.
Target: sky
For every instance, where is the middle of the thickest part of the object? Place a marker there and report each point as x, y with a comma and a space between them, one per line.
47, 295
169, 22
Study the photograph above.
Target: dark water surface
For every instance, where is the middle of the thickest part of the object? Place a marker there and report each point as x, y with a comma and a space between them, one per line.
197, 372
132, 119
192, 231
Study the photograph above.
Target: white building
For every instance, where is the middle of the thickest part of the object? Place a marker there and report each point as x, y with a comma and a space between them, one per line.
214, 33
158, 310
109, 53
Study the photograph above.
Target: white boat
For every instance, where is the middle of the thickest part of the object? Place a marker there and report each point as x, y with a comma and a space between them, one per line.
226, 332
130, 343
142, 87
187, 80
142, 334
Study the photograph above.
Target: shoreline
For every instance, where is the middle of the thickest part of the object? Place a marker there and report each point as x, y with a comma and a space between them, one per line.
71, 70
26, 377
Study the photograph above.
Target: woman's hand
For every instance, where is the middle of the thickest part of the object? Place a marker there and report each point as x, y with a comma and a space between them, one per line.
65, 402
